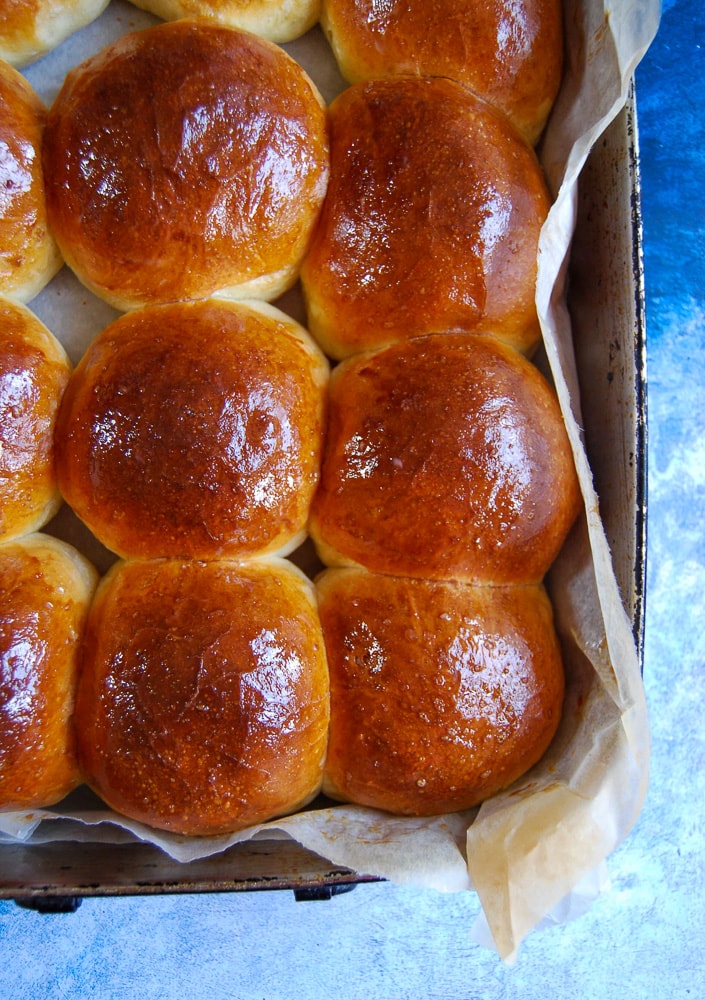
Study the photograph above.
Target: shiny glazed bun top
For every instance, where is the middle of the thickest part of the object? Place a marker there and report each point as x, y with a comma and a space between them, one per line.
441, 693
431, 220
277, 20
46, 587
194, 429
29, 256
182, 160
511, 54
34, 371
446, 458
203, 699
31, 28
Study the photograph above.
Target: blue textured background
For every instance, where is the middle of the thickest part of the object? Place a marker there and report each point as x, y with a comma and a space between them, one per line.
646, 938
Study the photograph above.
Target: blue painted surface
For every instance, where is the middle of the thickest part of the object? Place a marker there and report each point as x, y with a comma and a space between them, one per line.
646, 937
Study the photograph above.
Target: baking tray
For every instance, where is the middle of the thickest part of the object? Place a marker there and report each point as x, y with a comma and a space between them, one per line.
606, 302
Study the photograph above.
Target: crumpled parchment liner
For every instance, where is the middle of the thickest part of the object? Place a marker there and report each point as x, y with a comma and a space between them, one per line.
536, 853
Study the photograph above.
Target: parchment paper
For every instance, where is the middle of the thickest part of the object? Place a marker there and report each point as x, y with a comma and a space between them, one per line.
536, 852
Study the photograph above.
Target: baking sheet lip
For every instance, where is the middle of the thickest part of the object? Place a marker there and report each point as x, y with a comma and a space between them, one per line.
328, 876
185, 886
640, 380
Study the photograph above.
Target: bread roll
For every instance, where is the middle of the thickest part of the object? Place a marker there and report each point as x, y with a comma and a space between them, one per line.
447, 458
31, 28
34, 371
277, 20
45, 590
195, 430
431, 220
182, 160
441, 693
29, 256
203, 701
511, 54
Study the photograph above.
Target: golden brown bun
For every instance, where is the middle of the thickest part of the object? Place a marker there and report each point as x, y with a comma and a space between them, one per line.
31, 28
431, 220
29, 256
509, 54
277, 20
34, 371
183, 160
446, 457
441, 693
203, 701
45, 591
195, 430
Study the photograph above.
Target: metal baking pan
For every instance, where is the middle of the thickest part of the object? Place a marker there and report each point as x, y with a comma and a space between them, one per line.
606, 300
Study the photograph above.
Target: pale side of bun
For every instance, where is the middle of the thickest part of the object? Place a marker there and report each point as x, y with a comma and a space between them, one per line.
31, 28
29, 256
203, 703
431, 220
510, 54
446, 457
212, 183
34, 372
195, 430
278, 20
441, 694
46, 588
